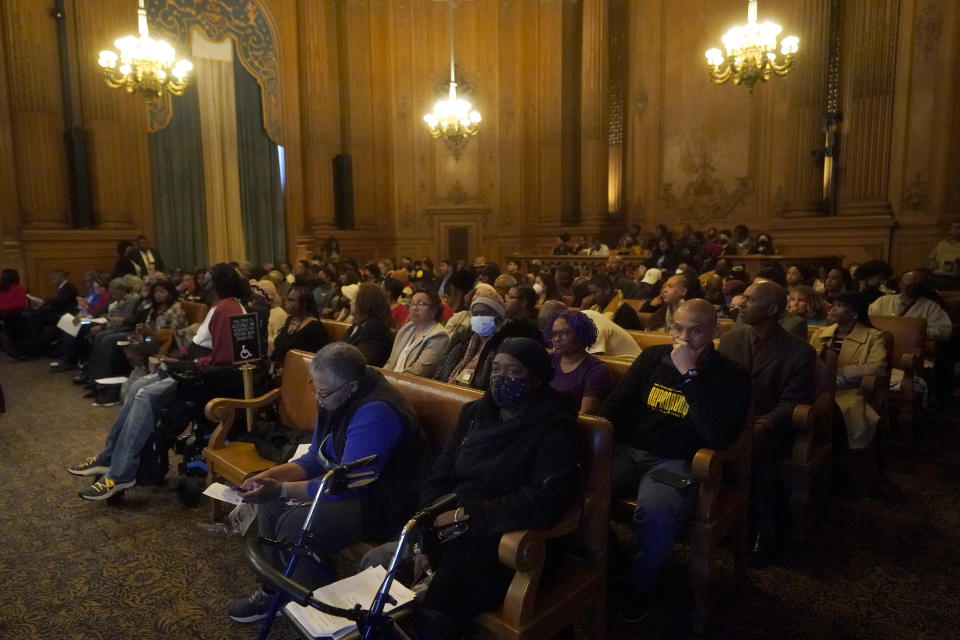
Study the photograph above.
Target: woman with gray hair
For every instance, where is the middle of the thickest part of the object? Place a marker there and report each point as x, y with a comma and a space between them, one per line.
359, 414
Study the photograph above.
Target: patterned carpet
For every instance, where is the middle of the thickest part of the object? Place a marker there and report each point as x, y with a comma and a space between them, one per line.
878, 569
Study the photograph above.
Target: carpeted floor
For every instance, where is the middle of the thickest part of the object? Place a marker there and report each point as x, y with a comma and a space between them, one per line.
879, 569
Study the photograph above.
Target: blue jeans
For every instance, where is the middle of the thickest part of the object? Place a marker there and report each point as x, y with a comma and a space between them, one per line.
148, 398
661, 512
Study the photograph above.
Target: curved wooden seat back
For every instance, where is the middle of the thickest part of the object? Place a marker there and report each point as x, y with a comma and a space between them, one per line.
195, 312
437, 404
909, 339
646, 339
335, 330
298, 401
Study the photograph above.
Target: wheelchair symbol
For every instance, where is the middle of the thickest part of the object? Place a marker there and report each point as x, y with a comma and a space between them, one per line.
245, 353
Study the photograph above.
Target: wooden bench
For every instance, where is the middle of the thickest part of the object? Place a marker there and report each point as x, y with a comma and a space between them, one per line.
195, 312
335, 330
721, 514
530, 609
297, 409
805, 470
909, 343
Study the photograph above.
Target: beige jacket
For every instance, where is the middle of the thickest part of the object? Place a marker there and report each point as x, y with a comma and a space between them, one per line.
425, 356
863, 352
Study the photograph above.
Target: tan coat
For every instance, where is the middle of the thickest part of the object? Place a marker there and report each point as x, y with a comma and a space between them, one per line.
863, 353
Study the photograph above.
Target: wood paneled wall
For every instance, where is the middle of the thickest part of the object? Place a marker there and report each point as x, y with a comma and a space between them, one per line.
358, 75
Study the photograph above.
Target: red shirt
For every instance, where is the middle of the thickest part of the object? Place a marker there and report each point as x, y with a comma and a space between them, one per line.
13, 299
222, 353
400, 315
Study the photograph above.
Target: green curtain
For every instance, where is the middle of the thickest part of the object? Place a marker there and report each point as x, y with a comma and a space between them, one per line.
261, 185
176, 170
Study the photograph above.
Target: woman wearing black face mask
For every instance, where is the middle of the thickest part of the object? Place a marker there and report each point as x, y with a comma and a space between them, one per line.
513, 464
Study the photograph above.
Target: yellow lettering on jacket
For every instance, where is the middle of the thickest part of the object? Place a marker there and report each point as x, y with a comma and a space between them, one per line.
666, 400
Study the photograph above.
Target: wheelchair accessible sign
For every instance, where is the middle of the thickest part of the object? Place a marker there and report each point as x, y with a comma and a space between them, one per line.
245, 332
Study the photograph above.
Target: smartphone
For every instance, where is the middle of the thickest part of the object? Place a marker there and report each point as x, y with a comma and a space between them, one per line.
675, 480
85, 321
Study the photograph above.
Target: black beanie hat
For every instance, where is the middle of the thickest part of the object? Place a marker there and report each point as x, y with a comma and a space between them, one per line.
855, 301
531, 353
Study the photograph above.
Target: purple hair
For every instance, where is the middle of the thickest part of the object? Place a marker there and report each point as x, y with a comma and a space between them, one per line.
581, 324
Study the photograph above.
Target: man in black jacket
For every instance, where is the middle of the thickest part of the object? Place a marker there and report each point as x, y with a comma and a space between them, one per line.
674, 400
781, 368
608, 300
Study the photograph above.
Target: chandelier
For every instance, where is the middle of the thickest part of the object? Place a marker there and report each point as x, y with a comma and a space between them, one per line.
751, 52
453, 119
144, 65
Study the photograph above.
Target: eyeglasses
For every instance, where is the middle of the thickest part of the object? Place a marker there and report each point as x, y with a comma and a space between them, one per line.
563, 333
329, 394
419, 305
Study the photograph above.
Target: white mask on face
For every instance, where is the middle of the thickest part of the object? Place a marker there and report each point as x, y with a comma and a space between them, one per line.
538, 288
483, 325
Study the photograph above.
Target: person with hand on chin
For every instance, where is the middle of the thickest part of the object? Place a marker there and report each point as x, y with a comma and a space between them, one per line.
673, 400
513, 464
358, 414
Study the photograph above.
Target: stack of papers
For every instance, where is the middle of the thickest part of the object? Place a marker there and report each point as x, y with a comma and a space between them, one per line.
347, 593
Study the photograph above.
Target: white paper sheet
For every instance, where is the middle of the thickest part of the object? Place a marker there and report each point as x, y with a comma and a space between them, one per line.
66, 325
220, 491
358, 589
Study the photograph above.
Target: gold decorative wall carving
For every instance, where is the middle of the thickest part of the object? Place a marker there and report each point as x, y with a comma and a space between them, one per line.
706, 199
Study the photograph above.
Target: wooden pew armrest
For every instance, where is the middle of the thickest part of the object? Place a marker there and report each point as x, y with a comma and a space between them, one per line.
223, 411
911, 362
525, 549
707, 467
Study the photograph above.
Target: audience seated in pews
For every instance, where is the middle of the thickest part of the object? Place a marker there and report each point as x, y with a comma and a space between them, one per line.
460, 286
127, 263
370, 330
675, 290
146, 256
264, 294
91, 307
577, 373
609, 301
674, 400
302, 329
611, 340
781, 367
420, 344
513, 464
871, 279
805, 303
915, 300
837, 281
469, 358
862, 352
944, 260
151, 395
362, 414
13, 304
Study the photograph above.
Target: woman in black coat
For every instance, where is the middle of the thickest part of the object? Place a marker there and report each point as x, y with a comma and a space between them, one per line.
370, 331
513, 463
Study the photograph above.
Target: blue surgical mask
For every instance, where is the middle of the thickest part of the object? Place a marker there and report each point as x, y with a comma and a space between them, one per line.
483, 325
509, 393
